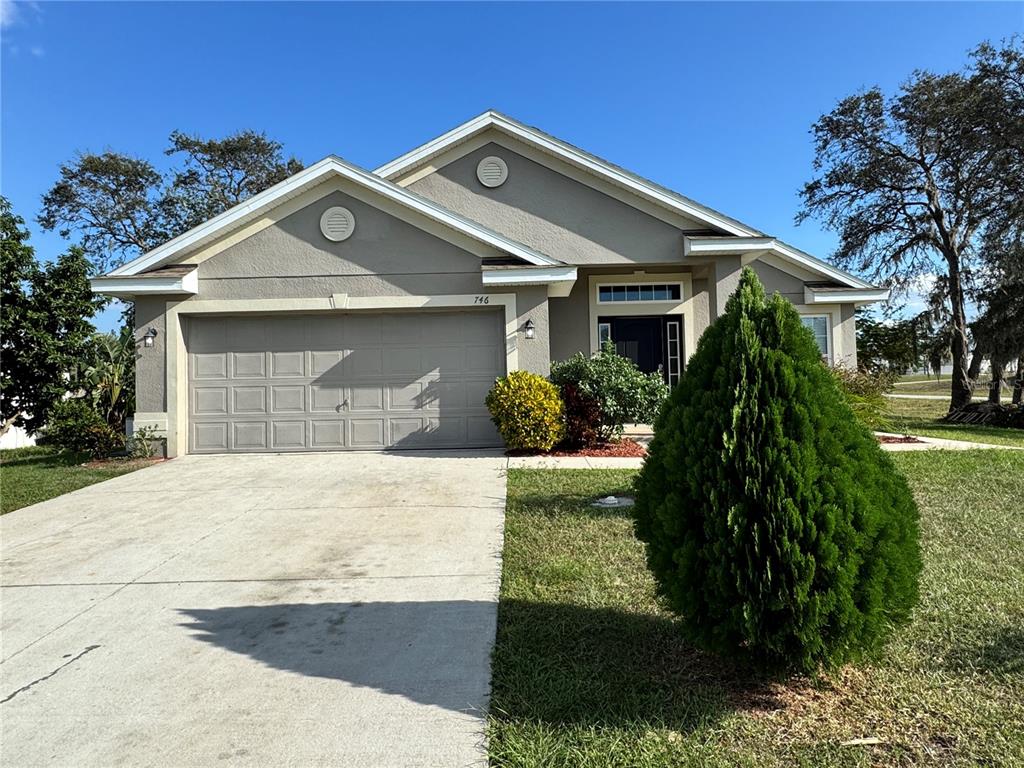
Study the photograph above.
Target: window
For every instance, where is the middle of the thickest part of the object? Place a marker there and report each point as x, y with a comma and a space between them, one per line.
604, 333
819, 327
635, 292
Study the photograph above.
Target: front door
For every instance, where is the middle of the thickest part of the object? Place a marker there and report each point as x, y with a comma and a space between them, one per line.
653, 343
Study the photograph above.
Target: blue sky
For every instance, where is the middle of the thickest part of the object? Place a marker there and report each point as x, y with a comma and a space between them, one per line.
714, 101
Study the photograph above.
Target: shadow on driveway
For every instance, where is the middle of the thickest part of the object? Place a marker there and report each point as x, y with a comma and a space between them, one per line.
435, 653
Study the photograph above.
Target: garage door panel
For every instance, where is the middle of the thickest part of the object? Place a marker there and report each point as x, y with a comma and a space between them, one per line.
404, 361
367, 433
326, 397
290, 398
248, 365
363, 363
327, 434
405, 397
248, 400
290, 364
209, 365
210, 436
365, 397
246, 334
210, 401
480, 430
363, 331
249, 435
288, 434
481, 359
326, 364
336, 382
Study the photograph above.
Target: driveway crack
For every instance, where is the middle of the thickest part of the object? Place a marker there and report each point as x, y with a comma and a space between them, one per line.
47, 677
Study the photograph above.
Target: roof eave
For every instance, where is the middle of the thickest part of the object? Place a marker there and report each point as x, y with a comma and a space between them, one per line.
311, 177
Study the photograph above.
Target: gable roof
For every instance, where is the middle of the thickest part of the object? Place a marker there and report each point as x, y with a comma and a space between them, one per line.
609, 172
575, 156
329, 167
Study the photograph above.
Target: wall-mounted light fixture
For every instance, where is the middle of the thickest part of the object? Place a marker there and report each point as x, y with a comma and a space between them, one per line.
147, 339
530, 328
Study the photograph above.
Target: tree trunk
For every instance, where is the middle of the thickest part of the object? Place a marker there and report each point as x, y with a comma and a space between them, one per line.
996, 385
962, 387
1018, 381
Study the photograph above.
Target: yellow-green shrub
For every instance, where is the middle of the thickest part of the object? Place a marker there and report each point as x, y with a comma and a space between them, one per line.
527, 410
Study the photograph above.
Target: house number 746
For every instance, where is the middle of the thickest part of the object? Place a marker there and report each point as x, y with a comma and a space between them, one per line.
482, 300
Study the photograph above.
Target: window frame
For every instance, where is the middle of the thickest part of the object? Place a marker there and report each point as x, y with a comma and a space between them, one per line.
628, 302
828, 330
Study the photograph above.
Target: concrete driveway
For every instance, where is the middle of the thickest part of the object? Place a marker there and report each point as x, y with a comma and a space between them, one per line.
311, 609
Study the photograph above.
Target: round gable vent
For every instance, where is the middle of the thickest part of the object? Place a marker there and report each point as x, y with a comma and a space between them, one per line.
337, 224
492, 171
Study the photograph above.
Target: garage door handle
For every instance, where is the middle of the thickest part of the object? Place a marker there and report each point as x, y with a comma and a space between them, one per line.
341, 407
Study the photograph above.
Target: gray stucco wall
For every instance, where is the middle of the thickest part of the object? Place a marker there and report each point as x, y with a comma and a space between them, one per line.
552, 212
150, 362
775, 280
848, 332
384, 256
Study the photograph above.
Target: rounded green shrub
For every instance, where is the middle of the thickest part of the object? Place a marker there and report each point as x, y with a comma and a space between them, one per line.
624, 393
527, 410
74, 425
774, 523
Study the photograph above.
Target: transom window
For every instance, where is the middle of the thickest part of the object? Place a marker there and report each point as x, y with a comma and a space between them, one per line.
638, 292
819, 327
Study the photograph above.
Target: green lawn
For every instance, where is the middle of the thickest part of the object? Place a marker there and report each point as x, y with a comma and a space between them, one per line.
590, 671
920, 417
31, 475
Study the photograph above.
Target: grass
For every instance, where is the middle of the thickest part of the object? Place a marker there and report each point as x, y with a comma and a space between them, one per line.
37, 473
920, 417
590, 671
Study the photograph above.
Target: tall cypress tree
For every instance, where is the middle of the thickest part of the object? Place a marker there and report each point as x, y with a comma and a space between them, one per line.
775, 525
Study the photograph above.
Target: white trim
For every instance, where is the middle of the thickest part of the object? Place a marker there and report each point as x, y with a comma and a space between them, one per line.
184, 285
758, 246
177, 354
648, 281
829, 341
600, 327
310, 177
812, 296
528, 276
682, 307
568, 153
673, 362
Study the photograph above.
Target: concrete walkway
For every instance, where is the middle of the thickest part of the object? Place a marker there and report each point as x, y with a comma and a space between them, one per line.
261, 610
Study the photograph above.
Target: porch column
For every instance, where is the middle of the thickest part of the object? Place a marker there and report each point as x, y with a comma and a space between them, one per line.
725, 278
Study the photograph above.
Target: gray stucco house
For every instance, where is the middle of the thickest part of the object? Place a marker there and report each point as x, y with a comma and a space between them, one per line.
348, 309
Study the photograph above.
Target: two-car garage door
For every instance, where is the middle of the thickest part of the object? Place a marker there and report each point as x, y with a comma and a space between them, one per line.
342, 382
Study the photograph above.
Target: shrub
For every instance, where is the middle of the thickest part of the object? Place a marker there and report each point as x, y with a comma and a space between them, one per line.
773, 522
582, 418
625, 393
865, 394
527, 410
73, 425
143, 442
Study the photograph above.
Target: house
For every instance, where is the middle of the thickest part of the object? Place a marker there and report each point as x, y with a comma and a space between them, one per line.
344, 309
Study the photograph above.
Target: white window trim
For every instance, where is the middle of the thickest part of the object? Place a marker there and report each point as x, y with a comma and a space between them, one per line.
601, 327
682, 307
829, 326
648, 281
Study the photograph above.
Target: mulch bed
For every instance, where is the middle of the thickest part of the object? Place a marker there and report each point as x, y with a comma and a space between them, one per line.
618, 448
897, 439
